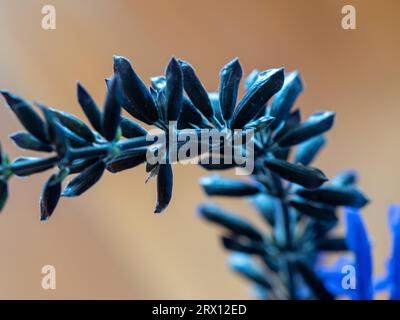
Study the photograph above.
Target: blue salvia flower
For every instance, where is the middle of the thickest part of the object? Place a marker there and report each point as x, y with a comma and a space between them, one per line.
291, 195
360, 246
394, 261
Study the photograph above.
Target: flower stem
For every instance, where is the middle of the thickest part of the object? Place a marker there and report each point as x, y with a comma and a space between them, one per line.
76, 154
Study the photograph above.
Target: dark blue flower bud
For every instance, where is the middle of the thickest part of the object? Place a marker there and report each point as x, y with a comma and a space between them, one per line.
232, 222
25, 140
307, 177
50, 196
89, 107
140, 101
112, 111
317, 124
266, 85
216, 185
195, 90
174, 90
336, 195
164, 187
26, 115
307, 151
230, 76
85, 180
285, 98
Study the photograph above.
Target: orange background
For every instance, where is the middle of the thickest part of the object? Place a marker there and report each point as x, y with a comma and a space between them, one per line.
108, 243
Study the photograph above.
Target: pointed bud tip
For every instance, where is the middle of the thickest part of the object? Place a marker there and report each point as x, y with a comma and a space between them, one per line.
120, 61
44, 218
79, 87
11, 98
280, 71
200, 210
295, 77
173, 64
364, 201
4, 92
158, 210
235, 66
174, 60
117, 57
271, 73
204, 209
234, 62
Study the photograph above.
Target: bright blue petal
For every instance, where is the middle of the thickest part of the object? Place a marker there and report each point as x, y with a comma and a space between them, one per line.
333, 282
395, 266
381, 283
359, 244
394, 262
393, 216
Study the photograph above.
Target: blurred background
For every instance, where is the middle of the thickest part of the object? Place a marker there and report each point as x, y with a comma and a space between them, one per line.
108, 244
